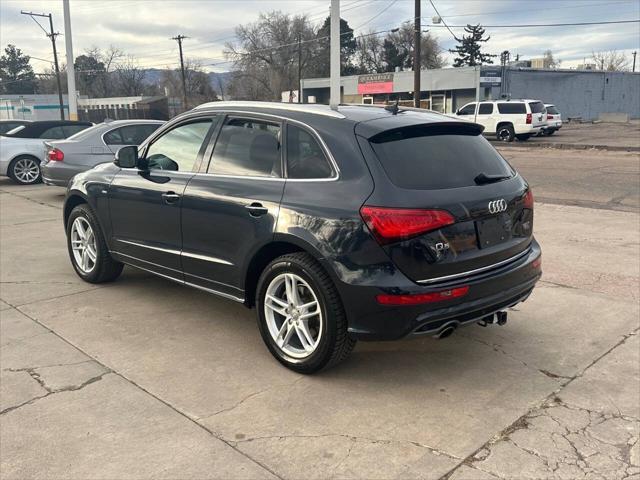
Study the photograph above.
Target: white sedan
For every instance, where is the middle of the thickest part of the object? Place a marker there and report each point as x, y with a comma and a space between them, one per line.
22, 149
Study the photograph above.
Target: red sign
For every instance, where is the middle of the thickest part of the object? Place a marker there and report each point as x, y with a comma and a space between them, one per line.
375, 83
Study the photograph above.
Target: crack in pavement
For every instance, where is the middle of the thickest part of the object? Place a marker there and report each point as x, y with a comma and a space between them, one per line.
50, 391
57, 207
552, 400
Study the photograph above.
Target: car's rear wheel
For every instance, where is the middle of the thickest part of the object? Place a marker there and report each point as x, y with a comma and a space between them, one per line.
300, 315
25, 170
505, 133
87, 249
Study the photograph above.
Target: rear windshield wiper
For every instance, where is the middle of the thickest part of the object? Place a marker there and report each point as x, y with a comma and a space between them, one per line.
483, 178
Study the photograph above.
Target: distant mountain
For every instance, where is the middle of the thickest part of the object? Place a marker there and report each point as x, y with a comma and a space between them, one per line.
153, 75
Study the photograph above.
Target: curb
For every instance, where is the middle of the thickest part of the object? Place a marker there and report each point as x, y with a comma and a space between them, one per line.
569, 146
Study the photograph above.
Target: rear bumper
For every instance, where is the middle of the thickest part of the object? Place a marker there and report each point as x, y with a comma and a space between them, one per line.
58, 174
488, 292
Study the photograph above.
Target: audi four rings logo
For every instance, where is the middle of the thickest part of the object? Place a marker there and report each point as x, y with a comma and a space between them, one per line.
497, 206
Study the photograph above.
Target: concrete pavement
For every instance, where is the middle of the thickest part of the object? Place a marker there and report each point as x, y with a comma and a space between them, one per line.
143, 378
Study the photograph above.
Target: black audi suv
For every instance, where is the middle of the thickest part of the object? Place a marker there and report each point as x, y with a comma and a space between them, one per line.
363, 222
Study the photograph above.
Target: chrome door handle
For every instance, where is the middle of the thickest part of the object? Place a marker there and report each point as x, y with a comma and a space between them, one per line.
170, 197
256, 209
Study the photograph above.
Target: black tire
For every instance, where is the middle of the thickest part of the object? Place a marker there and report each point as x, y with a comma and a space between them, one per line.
18, 167
335, 344
105, 268
505, 133
524, 137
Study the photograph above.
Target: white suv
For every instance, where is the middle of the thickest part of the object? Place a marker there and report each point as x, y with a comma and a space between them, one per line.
554, 119
507, 119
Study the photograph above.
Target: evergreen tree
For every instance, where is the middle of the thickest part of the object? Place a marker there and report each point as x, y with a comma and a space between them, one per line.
468, 51
16, 74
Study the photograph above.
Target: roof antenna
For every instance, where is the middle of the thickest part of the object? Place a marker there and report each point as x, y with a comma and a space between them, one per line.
394, 108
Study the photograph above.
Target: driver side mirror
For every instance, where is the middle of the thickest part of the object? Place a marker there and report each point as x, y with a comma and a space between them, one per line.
127, 157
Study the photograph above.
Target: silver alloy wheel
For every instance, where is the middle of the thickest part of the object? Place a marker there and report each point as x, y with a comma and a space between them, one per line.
293, 315
503, 134
26, 170
83, 245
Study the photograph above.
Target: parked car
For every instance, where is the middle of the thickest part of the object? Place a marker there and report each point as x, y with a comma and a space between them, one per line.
84, 150
337, 225
21, 149
8, 125
554, 120
507, 119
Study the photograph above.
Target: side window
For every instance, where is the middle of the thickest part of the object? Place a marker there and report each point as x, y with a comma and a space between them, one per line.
113, 137
73, 129
247, 147
53, 133
467, 109
485, 109
177, 149
511, 108
132, 134
305, 158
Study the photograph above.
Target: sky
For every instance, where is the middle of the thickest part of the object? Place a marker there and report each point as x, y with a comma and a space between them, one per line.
143, 28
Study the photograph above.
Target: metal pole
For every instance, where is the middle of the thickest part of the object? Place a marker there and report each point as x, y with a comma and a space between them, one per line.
634, 60
334, 49
55, 62
71, 76
416, 56
300, 67
179, 38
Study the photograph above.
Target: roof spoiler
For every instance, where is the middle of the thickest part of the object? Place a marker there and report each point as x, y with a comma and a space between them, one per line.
426, 129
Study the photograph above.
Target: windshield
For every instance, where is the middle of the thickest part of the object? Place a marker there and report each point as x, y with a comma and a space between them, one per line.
536, 107
424, 158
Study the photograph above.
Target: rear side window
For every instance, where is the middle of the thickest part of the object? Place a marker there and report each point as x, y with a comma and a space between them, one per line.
509, 108
467, 109
129, 135
553, 110
54, 133
536, 107
305, 157
485, 109
247, 147
432, 158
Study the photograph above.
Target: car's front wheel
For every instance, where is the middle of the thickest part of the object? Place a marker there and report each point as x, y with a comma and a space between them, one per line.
87, 249
25, 170
300, 314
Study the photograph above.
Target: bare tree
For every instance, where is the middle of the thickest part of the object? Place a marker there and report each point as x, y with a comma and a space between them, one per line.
612, 61
199, 89
549, 60
129, 78
266, 55
369, 53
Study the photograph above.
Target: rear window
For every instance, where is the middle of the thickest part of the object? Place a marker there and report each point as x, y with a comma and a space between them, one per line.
431, 158
512, 108
553, 110
536, 107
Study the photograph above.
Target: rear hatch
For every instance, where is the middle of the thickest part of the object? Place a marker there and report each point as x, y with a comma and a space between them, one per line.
538, 114
457, 207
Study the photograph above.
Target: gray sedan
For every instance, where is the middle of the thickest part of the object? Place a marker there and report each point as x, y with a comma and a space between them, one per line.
97, 144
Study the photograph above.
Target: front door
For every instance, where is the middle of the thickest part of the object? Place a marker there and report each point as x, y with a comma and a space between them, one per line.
145, 205
230, 211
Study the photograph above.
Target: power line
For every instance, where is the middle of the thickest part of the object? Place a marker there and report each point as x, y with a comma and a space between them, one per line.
378, 14
442, 20
534, 25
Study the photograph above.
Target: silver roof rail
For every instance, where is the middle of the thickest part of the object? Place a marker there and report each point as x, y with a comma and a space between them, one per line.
314, 108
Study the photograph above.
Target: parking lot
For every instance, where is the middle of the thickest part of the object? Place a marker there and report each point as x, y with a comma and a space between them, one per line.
144, 378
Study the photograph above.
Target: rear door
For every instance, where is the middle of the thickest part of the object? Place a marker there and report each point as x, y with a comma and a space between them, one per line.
538, 114
485, 117
230, 209
450, 167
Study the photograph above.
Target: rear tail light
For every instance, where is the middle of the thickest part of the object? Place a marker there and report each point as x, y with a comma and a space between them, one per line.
529, 118
55, 155
420, 298
537, 263
549, 117
528, 199
394, 224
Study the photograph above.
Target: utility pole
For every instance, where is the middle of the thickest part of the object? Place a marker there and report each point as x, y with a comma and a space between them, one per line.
71, 75
416, 56
300, 67
334, 55
179, 39
52, 35
634, 53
